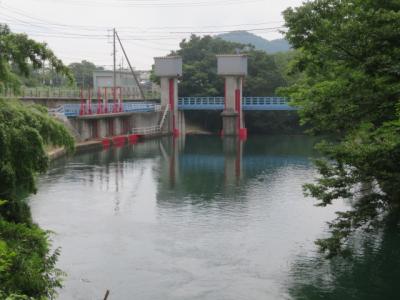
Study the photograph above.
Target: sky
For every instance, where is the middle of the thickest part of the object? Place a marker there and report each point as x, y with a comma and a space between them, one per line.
82, 29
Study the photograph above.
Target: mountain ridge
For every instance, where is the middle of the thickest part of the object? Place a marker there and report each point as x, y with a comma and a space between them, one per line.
245, 37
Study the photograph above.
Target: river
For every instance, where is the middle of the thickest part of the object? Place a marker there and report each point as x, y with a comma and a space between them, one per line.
202, 218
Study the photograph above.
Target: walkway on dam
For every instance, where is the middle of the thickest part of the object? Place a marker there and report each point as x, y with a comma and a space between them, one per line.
188, 103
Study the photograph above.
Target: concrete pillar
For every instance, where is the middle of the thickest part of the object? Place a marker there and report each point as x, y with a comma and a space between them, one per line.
85, 129
233, 153
233, 68
95, 129
89, 109
170, 151
181, 122
126, 125
110, 126
105, 100
169, 69
164, 85
118, 126
102, 123
166, 101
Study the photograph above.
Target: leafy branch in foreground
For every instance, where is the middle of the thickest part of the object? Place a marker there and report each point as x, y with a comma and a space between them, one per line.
20, 52
364, 169
27, 265
349, 55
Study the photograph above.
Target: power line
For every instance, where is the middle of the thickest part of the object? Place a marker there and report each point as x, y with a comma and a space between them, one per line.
147, 36
171, 35
41, 22
157, 4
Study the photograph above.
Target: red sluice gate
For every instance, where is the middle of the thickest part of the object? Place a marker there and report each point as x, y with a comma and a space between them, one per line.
118, 140
133, 138
243, 133
106, 142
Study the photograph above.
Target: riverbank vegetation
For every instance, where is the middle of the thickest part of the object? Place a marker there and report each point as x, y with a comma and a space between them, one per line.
349, 88
27, 264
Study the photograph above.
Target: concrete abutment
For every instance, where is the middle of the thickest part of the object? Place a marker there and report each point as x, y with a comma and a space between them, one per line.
233, 68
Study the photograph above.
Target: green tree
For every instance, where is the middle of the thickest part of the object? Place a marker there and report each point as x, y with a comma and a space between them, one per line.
43, 77
200, 68
350, 88
18, 52
284, 62
83, 73
27, 267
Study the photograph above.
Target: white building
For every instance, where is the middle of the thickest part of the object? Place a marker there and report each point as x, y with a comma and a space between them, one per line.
124, 79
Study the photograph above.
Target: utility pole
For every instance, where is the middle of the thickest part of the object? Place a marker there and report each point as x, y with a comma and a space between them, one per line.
43, 75
114, 56
129, 64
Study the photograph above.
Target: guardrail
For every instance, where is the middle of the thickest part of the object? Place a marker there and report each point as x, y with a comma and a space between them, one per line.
266, 103
129, 93
248, 103
201, 103
146, 130
192, 103
73, 110
152, 129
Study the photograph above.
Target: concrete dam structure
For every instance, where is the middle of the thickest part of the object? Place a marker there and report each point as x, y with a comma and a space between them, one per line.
109, 115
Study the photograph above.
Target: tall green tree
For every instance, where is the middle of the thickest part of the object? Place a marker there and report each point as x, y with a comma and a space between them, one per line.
200, 68
83, 73
27, 265
350, 59
18, 52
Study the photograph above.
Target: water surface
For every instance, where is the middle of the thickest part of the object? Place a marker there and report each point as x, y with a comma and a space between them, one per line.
194, 218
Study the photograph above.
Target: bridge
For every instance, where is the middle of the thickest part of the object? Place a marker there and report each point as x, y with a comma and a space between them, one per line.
112, 111
186, 104
248, 103
75, 110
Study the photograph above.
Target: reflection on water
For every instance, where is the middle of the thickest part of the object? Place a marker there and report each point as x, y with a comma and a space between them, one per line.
194, 218
373, 273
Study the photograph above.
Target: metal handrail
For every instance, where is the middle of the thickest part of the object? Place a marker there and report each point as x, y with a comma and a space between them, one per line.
152, 129
62, 93
146, 130
72, 110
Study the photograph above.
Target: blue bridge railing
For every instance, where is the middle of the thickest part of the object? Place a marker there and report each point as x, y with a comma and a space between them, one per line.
191, 103
248, 103
72, 110
201, 103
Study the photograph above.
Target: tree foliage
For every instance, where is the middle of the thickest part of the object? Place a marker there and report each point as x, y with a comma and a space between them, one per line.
200, 68
27, 267
24, 130
83, 73
24, 54
350, 88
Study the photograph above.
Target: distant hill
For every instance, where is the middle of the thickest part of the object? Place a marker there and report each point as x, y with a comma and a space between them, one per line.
244, 37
